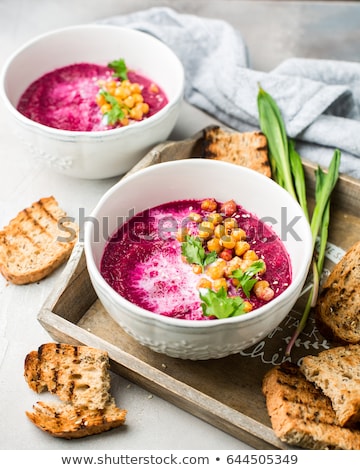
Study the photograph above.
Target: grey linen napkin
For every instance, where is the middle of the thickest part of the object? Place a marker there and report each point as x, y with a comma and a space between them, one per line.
319, 99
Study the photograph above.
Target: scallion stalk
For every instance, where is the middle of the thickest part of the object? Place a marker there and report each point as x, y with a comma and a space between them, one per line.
297, 171
288, 171
326, 185
319, 226
272, 126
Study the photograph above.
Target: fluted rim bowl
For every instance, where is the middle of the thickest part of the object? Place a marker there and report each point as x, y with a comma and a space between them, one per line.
187, 179
100, 154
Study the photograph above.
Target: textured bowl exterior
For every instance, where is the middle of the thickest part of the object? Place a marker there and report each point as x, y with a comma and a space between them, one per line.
198, 178
93, 155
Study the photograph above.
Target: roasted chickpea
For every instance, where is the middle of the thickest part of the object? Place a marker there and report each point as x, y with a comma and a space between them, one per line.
230, 224
145, 108
216, 270
251, 255
154, 88
138, 98
129, 101
209, 205
227, 241
197, 269
239, 234
241, 247
232, 265
135, 88
206, 229
263, 291
219, 231
245, 264
219, 283
247, 306
215, 218
226, 254
195, 217
229, 208
214, 245
204, 283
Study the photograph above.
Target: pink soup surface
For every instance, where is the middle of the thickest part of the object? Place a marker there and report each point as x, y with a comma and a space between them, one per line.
65, 98
142, 261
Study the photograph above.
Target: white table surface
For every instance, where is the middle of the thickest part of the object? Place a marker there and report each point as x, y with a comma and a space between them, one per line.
273, 31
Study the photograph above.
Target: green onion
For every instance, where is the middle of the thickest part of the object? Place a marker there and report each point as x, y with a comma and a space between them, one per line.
272, 125
319, 225
325, 185
288, 172
297, 171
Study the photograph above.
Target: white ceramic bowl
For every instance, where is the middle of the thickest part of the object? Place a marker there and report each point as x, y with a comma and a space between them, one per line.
93, 155
188, 179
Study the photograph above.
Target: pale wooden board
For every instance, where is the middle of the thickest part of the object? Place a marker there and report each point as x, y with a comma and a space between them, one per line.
224, 392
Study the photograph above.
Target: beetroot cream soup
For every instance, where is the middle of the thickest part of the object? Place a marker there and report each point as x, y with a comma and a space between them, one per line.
143, 260
66, 98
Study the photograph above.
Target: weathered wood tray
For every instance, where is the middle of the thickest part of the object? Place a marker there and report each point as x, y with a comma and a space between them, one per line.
224, 392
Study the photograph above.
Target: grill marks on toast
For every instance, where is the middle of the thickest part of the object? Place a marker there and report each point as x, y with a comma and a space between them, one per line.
337, 312
76, 374
336, 372
301, 415
32, 245
65, 421
247, 149
79, 377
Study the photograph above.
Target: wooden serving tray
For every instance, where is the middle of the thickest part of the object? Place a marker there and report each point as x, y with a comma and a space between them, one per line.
224, 392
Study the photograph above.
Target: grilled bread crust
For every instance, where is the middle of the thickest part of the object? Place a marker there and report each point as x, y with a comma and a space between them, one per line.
36, 242
247, 149
76, 374
69, 422
336, 372
79, 377
301, 415
337, 312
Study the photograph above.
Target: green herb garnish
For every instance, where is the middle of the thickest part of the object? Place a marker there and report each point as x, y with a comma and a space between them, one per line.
194, 252
287, 170
116, 112
247, 278
219, 305
120, 69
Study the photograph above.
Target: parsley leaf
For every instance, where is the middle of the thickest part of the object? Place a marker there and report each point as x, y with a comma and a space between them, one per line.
194, 252
218, 304
247, 278
120, 69
116, 113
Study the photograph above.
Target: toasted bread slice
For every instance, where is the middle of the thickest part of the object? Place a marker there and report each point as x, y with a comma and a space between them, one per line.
336, 372
79, 376
36, 242
76, 374
301, 415
337, 312
247, 149
69, 422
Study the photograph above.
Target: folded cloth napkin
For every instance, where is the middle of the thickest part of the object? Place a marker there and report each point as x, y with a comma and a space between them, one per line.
319, 99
